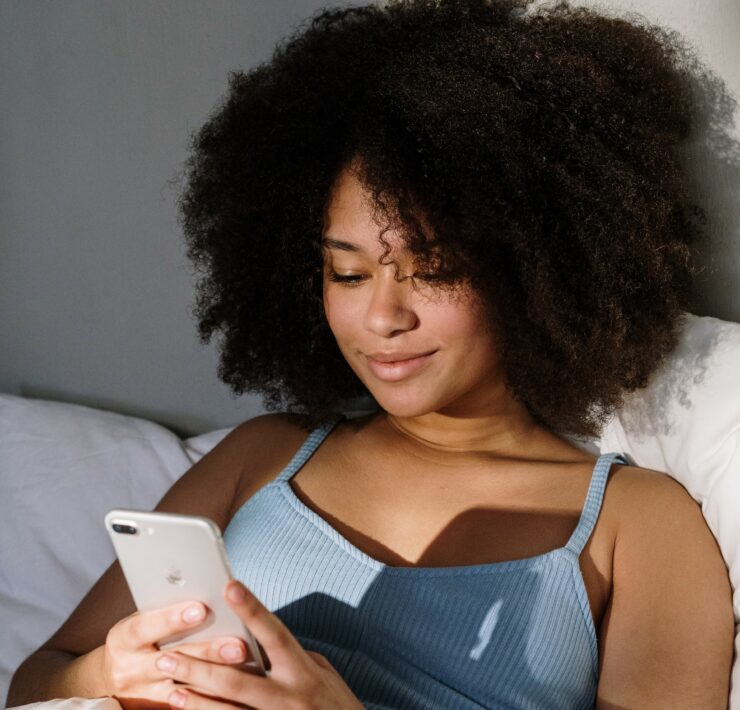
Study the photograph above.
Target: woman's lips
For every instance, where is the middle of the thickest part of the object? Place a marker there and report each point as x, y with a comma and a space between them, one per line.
395, 371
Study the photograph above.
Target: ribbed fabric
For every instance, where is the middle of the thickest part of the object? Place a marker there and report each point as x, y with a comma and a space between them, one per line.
512, 634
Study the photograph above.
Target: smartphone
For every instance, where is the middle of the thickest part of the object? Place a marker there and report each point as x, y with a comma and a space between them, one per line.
168, 558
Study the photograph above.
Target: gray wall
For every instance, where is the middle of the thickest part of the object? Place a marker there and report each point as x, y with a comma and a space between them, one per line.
97, 100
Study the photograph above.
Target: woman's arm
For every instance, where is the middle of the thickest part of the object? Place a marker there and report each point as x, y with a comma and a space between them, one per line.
666, 639
69, 663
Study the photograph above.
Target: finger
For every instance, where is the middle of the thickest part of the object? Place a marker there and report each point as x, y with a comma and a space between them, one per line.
274, 636
221, 681
228, 649
144, 629
189, 699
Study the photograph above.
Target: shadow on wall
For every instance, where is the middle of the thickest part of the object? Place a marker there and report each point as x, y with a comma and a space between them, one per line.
712, 161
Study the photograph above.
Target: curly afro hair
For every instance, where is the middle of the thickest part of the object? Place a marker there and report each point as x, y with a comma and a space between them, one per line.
539, 148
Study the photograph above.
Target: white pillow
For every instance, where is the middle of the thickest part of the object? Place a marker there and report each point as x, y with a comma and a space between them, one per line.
62, 467
686, 422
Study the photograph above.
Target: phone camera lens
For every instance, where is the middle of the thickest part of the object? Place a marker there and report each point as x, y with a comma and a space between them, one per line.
125, 529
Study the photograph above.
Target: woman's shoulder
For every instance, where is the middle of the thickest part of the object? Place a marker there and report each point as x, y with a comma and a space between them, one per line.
271, 429
669, 620
267, 443
643, 501
272, 438
639, 492
660, 531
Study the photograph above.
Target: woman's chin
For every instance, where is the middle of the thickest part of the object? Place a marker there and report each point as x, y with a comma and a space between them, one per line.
404, 405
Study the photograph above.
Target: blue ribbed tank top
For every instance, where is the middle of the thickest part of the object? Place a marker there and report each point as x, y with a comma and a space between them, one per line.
511, 634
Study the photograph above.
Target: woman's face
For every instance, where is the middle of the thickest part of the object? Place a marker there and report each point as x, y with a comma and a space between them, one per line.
376, 315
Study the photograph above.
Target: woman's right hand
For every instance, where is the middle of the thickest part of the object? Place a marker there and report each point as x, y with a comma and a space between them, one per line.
130, 653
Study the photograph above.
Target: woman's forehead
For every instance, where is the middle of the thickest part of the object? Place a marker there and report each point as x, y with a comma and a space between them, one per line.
364, 245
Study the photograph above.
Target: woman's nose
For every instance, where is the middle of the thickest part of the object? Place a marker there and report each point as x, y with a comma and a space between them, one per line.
390, 308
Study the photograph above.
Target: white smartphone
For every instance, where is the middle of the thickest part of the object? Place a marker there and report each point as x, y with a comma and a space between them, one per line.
169, 558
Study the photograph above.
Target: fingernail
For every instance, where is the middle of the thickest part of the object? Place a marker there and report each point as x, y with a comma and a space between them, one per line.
236, 593
231, 652
193, 613
166, 664
177, 699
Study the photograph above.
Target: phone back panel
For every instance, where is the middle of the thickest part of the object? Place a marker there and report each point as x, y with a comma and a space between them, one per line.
174, 558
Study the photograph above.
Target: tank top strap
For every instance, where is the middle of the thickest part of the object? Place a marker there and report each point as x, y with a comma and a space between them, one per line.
315, 437
594, 498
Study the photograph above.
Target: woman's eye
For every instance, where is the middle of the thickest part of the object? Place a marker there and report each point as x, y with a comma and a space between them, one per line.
356, 279
350, 280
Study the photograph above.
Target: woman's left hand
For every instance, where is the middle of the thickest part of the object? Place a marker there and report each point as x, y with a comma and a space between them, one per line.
298, 679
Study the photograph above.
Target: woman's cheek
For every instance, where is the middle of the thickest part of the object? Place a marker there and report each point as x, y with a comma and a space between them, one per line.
338, 313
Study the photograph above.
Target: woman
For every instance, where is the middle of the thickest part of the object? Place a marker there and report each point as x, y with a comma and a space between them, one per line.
476, 215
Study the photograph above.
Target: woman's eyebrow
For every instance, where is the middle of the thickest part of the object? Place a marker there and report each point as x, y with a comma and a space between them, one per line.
332, 243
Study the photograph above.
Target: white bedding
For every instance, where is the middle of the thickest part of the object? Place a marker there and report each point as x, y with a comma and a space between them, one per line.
75, 704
